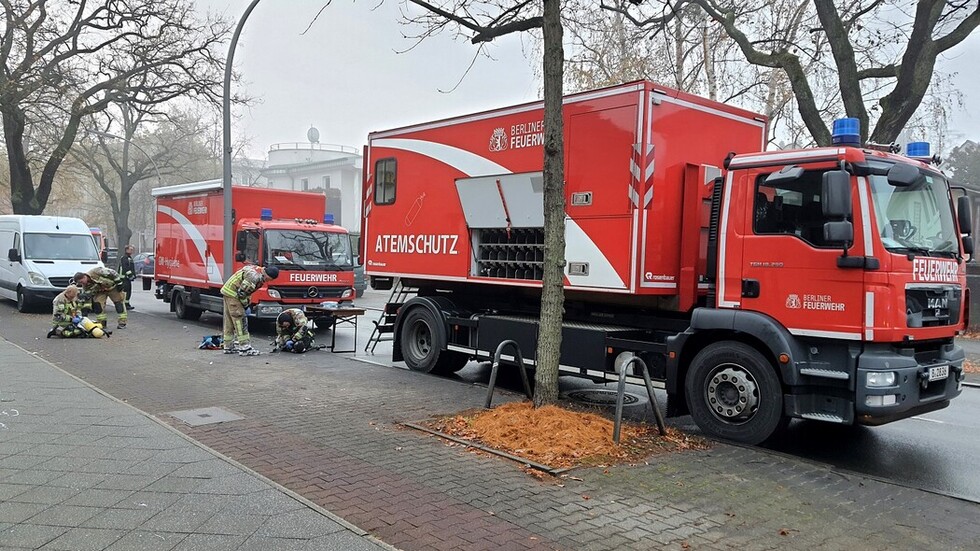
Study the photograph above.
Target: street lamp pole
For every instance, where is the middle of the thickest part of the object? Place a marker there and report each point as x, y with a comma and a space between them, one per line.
226, 131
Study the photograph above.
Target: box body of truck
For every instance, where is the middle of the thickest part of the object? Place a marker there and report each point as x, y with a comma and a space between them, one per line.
686, 245
271, 227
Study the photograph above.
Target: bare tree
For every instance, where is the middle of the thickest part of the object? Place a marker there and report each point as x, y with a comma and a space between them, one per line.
482, 21
869, 59
66, 61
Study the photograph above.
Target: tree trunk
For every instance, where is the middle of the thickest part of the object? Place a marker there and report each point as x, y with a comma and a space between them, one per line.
552, 287
22, 199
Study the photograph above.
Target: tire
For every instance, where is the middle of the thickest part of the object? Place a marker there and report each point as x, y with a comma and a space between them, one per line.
423, 344
184, 311
734, 393
24, 305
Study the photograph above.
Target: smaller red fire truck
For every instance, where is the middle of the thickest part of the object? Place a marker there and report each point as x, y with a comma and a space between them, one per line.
286, 229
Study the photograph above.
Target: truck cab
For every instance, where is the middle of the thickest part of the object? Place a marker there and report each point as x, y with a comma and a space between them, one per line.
849, 262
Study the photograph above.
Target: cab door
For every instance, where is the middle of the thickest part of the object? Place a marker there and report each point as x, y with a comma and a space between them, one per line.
789, 271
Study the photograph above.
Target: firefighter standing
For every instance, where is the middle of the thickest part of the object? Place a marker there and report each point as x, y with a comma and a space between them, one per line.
237, 293
292, 332
128, 270
66, 310
103, 283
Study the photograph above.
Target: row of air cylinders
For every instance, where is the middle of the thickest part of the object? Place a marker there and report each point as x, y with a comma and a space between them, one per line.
514, 254
511, 271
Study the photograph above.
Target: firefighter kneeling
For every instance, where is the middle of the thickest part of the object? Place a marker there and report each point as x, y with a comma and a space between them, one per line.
293, 333
69, 317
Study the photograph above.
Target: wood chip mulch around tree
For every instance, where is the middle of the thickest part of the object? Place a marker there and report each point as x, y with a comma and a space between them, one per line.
561, 438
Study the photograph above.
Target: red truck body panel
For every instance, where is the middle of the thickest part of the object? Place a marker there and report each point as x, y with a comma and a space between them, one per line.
635, 155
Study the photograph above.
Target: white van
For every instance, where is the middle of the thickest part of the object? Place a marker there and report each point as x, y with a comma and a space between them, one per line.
40, 255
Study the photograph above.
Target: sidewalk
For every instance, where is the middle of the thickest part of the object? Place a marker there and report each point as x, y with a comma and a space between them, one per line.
82, 471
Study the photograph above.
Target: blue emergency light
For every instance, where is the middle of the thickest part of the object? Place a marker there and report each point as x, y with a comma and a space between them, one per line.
918, 150
328, 218
847, 132
266, 214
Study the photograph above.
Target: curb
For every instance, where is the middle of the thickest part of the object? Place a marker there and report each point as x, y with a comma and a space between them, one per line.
355, 529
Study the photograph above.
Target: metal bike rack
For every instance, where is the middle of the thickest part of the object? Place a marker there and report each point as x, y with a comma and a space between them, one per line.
622, 389
520, 366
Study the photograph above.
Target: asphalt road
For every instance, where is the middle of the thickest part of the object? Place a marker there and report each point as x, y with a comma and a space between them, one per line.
932, 452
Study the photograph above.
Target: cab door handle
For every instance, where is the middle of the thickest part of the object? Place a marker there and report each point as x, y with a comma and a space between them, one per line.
750, 288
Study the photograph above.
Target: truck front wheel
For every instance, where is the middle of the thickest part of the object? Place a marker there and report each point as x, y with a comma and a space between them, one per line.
184, 311
733, 392
423, 344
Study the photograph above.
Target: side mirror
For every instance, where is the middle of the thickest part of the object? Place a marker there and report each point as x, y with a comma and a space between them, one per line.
964, 214
838, 232
835, 194
240, 241
13, 255
903, 175
104, 256
239, 257
968, 245
357, 260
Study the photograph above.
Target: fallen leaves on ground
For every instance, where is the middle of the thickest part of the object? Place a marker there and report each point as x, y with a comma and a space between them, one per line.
561, 438
970, 367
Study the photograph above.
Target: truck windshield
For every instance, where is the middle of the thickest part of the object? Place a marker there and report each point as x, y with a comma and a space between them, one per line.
308, 249
915, 219
59, 246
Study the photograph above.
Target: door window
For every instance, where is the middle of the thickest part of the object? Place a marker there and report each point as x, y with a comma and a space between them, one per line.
791, 208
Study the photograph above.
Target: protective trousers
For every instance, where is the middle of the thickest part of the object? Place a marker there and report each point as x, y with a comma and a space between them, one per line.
118, 299
234, 324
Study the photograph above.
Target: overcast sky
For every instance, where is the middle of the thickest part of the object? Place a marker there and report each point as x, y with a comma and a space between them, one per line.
346, 76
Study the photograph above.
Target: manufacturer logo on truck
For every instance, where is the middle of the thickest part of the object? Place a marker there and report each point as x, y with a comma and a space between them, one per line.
935, 270
312, 278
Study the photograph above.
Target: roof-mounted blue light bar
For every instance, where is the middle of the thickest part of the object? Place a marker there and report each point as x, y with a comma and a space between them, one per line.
266, 214
918, 150
847, 132
328, 218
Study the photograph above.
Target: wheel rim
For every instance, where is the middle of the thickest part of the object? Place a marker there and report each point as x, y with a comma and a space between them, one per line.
179, 306
731, 393
420, 340
20, 300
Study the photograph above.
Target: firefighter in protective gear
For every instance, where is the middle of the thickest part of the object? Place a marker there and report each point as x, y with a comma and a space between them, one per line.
293, 333
103, 283
128, 270
66, 309
237, 295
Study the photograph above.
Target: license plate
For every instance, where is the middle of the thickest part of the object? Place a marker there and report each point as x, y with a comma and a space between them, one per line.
938, 373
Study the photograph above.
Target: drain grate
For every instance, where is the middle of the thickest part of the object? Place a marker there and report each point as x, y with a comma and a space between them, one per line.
601, 397
204, 416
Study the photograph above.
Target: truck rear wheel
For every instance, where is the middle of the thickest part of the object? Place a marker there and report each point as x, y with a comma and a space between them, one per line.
423, 344
184, 311
733, 392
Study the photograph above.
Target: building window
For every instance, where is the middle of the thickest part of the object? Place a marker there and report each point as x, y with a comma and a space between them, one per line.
384, 182
326, 182
306, 184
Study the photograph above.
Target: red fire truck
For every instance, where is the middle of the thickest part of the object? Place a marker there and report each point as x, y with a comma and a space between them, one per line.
287, 229
823, 284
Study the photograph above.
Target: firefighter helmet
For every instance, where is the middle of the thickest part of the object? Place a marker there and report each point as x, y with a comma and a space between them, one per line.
284, 319
272, 272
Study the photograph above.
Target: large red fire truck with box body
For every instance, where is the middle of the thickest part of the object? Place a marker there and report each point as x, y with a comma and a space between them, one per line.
286, 229
823, 284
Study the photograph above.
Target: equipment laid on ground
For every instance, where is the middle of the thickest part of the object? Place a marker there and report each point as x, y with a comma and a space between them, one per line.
285, 229
824, 284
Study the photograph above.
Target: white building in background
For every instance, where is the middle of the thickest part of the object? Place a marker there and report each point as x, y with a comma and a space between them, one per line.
334, 170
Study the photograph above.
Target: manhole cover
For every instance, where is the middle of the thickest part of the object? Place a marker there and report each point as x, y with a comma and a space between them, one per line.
204, 416
601, 397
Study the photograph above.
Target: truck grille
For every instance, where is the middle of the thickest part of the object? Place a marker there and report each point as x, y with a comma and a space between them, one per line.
59, 281
932, 306
312, 291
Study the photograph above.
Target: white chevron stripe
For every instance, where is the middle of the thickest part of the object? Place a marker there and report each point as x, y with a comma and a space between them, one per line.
634, 197
468, 163
647, 197
634, 170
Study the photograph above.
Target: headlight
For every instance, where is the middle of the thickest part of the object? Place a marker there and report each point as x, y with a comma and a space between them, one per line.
347, 293
274, 294
37, 279
881, 379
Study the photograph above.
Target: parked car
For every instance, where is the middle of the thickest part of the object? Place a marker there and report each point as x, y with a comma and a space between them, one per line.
143, 263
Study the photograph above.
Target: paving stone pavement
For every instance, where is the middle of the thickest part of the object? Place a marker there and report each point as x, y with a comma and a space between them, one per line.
82, 471
328, 428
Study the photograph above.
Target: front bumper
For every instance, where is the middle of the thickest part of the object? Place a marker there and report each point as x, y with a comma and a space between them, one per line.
41, 294
912, 392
